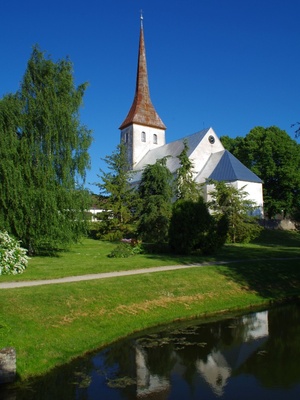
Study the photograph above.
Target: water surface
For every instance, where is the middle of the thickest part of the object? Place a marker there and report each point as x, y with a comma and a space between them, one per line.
253, 356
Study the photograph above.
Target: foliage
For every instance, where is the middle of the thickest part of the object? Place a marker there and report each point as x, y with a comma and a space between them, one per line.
275, 157
297, 131
155, 192
185, 186
192, 228
125, 249
44, 156
233, 204
13, 258
122, 250
231, 144
156, 180
116, 220
154, 219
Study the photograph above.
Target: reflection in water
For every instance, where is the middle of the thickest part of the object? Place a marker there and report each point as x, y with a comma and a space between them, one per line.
254, 356
221, 362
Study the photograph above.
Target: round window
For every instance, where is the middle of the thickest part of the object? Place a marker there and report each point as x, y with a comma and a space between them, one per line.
211, 139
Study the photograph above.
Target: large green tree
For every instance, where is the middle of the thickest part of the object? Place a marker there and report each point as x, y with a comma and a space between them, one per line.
155, 192
275, 157
118, 198
231, 144
42, 201
11, 178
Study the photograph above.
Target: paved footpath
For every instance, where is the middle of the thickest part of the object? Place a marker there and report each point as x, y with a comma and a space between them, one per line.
80, 278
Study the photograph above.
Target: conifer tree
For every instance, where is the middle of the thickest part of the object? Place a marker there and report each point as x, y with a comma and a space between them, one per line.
118, 199
232, 203
185, 186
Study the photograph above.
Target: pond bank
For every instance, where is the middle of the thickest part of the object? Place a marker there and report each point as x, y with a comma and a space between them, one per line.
52, 324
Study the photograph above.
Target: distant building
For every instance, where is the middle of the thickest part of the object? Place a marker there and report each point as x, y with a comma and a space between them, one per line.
143, 132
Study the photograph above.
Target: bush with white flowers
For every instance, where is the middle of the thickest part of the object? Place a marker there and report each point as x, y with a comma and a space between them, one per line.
13, 258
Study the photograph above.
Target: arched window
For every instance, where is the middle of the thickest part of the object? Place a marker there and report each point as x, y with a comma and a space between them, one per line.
155, 138
143, 136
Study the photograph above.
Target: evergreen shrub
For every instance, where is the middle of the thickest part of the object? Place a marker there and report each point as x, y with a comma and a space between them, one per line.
194, 230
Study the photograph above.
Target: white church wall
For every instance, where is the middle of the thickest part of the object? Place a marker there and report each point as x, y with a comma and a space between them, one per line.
254, 190
141, 139
255, 194
205, 148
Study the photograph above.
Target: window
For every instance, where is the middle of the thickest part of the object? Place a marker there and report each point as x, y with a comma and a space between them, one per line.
155, 138
143, 136
211, 139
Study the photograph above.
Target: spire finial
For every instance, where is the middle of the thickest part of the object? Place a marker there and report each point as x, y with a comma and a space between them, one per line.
142, 18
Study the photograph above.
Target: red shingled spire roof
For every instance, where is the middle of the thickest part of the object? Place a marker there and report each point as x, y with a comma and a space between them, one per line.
142, 111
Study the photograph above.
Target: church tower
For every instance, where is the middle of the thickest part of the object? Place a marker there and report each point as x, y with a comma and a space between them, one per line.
142, 130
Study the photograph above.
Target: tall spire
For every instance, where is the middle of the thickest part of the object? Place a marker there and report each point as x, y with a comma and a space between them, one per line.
142, 111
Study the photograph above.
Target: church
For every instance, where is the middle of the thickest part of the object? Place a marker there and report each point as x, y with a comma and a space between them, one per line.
144, 135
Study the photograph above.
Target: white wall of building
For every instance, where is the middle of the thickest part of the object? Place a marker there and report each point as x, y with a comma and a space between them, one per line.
254, 190
140, 139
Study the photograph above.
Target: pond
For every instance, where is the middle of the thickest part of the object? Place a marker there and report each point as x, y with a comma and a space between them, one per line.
252, 356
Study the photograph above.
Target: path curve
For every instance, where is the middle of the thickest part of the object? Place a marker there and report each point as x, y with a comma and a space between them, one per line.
104, 275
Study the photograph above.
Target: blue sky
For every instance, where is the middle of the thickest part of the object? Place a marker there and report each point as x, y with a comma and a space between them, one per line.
229, 64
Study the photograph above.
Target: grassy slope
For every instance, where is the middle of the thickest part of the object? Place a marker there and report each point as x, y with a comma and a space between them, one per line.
49, 325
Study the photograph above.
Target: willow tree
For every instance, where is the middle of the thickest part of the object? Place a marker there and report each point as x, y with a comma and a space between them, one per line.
11, 178
52, 155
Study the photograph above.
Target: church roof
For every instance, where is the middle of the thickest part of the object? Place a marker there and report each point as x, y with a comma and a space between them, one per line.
220, 166
171, 151
223, 166
142, 111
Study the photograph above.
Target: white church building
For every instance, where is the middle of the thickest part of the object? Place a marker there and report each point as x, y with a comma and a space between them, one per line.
144, 135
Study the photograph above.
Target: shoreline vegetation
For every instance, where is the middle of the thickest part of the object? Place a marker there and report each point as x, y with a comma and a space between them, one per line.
51, 325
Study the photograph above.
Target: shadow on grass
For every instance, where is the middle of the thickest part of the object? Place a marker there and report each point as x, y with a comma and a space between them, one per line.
271, 279
270, 244
269, 266
278, 238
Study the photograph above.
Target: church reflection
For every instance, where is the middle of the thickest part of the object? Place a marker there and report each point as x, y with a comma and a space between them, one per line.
214, 360
221, 363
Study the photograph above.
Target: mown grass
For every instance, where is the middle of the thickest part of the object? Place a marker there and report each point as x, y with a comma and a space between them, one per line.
50, 325
91, 256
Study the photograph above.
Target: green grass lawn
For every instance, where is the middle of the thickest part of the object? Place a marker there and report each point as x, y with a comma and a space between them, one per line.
91, 256
50, 325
